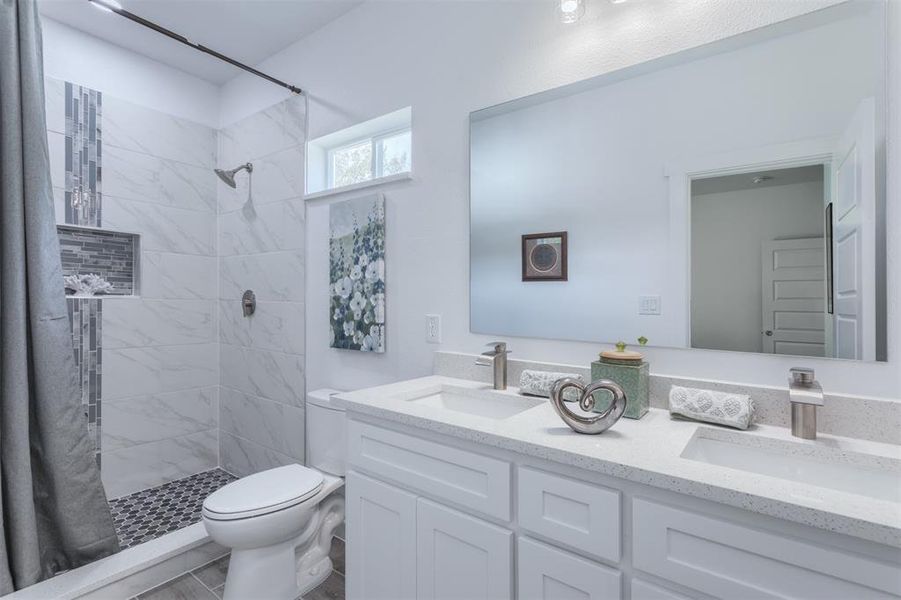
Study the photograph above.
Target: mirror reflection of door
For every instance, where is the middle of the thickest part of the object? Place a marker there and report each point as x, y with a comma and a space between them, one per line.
854, 246
758, 274
759, 260
794, 300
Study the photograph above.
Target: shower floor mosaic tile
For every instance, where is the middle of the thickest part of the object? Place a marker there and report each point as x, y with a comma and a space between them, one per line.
150, 513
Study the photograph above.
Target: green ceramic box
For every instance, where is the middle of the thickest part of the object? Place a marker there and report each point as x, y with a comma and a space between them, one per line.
633, 377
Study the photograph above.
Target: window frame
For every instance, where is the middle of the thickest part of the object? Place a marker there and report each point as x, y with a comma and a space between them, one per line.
321, 168
376, 153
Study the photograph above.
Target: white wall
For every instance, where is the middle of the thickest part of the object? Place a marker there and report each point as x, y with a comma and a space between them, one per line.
71, 55
447, 59
726, 235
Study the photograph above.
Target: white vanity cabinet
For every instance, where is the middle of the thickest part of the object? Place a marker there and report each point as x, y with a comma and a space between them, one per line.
544, 572
403, 546
381, 521
726, 559
460, 556
574, 513
470, 479
431, 517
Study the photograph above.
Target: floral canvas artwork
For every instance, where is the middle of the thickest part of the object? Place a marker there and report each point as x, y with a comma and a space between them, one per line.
357, 274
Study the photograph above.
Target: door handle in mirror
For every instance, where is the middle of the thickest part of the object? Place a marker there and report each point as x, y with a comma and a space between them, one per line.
768, 332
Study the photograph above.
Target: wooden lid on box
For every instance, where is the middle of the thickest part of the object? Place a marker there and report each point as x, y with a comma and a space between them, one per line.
621, 355
627, 355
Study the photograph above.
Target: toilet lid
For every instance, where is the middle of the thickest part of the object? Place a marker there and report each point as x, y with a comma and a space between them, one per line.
262, 493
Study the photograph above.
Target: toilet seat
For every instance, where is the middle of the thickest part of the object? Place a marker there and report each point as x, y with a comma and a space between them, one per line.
263, 493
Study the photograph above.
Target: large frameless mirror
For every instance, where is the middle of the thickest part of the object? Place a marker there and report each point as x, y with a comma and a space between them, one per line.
731, 197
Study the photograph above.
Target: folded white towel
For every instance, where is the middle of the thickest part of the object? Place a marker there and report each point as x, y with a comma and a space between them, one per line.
539, 383
734, 410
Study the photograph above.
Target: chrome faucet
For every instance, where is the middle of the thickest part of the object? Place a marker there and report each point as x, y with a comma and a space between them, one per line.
805, 395
497, 358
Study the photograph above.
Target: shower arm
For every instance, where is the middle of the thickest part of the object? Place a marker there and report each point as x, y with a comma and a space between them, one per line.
113, 6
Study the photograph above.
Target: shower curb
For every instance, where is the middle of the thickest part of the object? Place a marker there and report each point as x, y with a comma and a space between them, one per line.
130, 571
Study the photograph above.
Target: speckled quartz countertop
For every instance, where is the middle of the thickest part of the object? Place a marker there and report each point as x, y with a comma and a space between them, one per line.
648, 451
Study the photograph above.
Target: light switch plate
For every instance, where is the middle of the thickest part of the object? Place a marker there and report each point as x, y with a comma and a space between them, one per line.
433, 329
649, 305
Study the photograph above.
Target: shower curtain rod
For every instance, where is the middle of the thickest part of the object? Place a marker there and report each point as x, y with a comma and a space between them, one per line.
113, 6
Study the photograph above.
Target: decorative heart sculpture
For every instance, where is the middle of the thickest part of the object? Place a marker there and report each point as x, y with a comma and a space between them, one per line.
590, 425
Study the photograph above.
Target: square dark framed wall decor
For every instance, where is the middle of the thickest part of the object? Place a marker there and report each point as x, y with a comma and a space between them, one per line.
544, 256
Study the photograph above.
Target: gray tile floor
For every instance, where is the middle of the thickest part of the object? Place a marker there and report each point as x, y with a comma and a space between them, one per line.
208, 581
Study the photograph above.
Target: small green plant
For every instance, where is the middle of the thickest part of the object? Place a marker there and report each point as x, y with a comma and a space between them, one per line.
642, 341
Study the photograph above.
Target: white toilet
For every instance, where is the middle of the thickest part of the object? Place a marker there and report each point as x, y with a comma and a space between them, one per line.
279, 523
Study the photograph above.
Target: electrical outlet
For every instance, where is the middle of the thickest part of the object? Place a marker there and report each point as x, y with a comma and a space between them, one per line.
433, 329
649, 305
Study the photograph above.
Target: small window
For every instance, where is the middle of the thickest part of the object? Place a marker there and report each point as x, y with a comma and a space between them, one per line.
350, 164
392, 153
365, 153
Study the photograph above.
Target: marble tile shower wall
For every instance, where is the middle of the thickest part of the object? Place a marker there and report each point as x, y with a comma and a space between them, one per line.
261, 394
160, 350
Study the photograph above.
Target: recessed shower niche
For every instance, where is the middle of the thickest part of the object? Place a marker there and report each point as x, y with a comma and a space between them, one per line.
99, 262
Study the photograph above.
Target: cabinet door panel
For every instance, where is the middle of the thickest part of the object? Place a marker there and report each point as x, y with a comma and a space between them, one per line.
581, 515
381, 540
548, 573
728, 560
461, 556
472, 480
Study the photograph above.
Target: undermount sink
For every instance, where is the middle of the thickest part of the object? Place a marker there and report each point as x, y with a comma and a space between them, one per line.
479, 403
876, 477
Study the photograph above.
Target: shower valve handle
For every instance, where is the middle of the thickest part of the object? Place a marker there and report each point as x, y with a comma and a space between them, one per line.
248, 303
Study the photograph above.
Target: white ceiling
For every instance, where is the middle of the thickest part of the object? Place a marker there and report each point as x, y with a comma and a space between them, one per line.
745, 181
246, 30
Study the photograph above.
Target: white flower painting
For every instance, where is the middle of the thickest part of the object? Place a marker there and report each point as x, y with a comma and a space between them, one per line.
357, 274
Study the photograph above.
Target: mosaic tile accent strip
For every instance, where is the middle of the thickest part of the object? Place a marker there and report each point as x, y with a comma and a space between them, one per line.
150, 513
106, 253
85, 318
83, 154
83, 107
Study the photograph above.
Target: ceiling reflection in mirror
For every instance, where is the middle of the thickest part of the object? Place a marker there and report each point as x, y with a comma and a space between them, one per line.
730, 197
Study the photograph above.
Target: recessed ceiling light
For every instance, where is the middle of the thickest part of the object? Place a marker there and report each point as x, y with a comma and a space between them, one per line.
570, 11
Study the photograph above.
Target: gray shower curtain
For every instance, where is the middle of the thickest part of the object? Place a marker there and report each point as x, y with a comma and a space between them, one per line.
53, 510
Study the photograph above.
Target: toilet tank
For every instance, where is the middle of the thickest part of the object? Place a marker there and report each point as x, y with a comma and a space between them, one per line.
326, 433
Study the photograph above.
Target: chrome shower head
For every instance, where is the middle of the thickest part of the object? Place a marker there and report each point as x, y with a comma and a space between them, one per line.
229, 176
